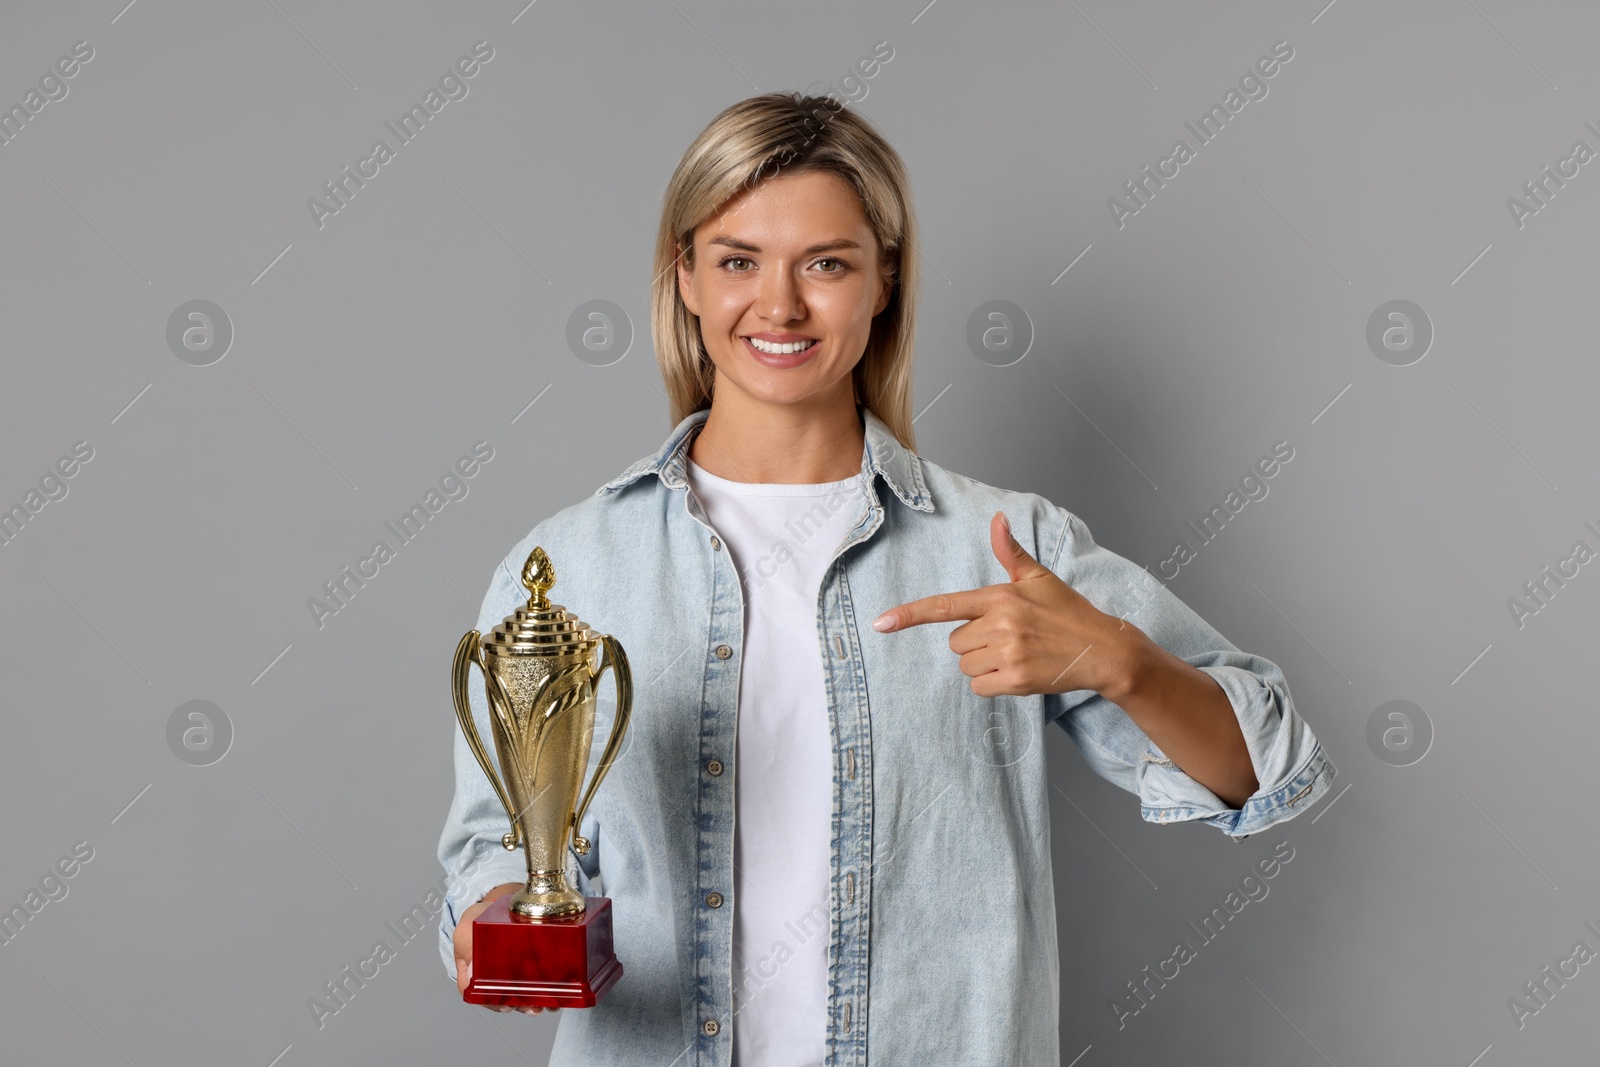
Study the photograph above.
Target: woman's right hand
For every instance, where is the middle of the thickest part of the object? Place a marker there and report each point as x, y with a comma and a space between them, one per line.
463, 943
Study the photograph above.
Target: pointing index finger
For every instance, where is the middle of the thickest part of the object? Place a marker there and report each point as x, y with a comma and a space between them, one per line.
941, 607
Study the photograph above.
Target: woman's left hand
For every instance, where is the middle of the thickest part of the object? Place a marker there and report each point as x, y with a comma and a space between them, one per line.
1034, 634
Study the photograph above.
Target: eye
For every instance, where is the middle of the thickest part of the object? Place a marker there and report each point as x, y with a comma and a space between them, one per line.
830, 259
729, 259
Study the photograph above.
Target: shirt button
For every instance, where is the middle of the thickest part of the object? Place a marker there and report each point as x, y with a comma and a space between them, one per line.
713, 899
723, 651
714, 767
715, 544
710, 1026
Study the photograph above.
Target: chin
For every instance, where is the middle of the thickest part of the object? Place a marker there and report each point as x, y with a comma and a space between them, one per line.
787, 393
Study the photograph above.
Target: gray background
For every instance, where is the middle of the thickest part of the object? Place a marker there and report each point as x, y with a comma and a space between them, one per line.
1227, 315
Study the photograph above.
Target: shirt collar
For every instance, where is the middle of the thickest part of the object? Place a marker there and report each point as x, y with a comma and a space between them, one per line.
883, 455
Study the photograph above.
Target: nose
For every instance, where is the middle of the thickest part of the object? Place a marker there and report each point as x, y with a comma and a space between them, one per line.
780, 298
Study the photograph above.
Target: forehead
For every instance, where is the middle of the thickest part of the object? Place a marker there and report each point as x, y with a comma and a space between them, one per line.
799, 207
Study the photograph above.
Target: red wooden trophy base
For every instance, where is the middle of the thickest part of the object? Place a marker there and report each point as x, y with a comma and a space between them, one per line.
545, 963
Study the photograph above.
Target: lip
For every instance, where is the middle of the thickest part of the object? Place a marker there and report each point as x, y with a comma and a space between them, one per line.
780, 362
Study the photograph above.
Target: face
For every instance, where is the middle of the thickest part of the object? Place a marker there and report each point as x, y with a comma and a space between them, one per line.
786, 283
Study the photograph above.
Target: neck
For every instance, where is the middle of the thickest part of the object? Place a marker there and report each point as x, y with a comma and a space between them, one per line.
792, 444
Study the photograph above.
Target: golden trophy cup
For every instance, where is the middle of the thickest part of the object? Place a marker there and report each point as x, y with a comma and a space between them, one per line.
547, 945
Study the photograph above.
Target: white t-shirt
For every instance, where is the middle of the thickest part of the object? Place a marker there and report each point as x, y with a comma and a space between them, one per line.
781, 537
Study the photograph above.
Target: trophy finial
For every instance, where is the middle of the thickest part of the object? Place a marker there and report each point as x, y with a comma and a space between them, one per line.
538, 575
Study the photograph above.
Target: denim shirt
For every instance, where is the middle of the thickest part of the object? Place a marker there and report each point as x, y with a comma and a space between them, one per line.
941, 932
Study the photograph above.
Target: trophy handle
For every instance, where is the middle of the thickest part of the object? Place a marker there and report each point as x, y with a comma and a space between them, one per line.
616, 661
467, 653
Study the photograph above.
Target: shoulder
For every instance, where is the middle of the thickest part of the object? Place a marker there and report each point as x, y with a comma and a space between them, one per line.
1043, 527
593, 522
1053, 535
595, 533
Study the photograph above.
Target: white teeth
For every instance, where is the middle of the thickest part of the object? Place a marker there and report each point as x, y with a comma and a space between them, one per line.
779, 350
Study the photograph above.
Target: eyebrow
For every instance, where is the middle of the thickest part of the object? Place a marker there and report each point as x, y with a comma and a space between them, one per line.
745, 246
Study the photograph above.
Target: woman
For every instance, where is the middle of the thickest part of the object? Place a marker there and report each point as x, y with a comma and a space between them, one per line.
828, 837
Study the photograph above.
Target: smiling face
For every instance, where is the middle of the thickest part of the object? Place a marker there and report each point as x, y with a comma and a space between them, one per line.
786, 282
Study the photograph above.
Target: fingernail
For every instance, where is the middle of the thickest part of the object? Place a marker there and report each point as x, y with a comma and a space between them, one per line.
884, 622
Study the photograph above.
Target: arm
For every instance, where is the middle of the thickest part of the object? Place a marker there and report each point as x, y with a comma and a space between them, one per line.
1128, 669
1169, 724
1186, 714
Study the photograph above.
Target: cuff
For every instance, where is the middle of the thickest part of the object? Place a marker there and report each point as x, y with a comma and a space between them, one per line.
1289, 764
1262, 810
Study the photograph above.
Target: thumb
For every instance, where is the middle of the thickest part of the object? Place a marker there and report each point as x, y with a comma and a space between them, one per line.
1012, 556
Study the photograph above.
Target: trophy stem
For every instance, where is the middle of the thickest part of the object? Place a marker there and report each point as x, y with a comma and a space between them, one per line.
547, 896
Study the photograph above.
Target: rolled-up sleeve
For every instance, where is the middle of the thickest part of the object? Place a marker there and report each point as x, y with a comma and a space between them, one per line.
470, 851
1288, 760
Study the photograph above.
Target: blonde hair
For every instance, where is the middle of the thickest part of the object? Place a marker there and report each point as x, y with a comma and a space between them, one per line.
765, 136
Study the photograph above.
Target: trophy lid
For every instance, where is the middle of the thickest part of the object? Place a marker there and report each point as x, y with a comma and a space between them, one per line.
540, 628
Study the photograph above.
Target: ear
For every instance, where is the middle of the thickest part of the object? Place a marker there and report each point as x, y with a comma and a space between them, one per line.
884, 294
686, 283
